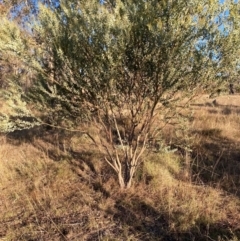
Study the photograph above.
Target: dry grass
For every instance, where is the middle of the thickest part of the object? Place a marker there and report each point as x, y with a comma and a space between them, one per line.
55, 187
185, 204
225, 116
217, 143
42, 199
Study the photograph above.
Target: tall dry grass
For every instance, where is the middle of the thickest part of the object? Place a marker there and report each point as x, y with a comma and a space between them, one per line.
43, 199
217, 143
58, 188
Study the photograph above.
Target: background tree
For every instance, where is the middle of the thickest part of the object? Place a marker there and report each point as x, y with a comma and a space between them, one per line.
119, 64
15, 74
22, 10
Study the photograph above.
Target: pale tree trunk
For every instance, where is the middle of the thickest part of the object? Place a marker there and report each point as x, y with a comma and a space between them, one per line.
132, 154
126, 181
121, 181
125, 170
125, 157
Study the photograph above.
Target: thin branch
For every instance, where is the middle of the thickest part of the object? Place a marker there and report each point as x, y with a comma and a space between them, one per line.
114, 168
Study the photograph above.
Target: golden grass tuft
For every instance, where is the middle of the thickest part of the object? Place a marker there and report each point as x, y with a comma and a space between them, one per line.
185, 204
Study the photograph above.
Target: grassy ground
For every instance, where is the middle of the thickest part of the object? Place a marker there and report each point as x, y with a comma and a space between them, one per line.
55, 187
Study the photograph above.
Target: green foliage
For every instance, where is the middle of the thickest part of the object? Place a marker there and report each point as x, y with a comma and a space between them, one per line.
114, 62
15, 115
88, 53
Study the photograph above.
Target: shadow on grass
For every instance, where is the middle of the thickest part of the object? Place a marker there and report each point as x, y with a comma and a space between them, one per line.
17, 137
141, 220
56, 144
216, 161
214, 107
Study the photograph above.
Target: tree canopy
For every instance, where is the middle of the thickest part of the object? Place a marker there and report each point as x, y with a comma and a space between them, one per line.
118, 63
